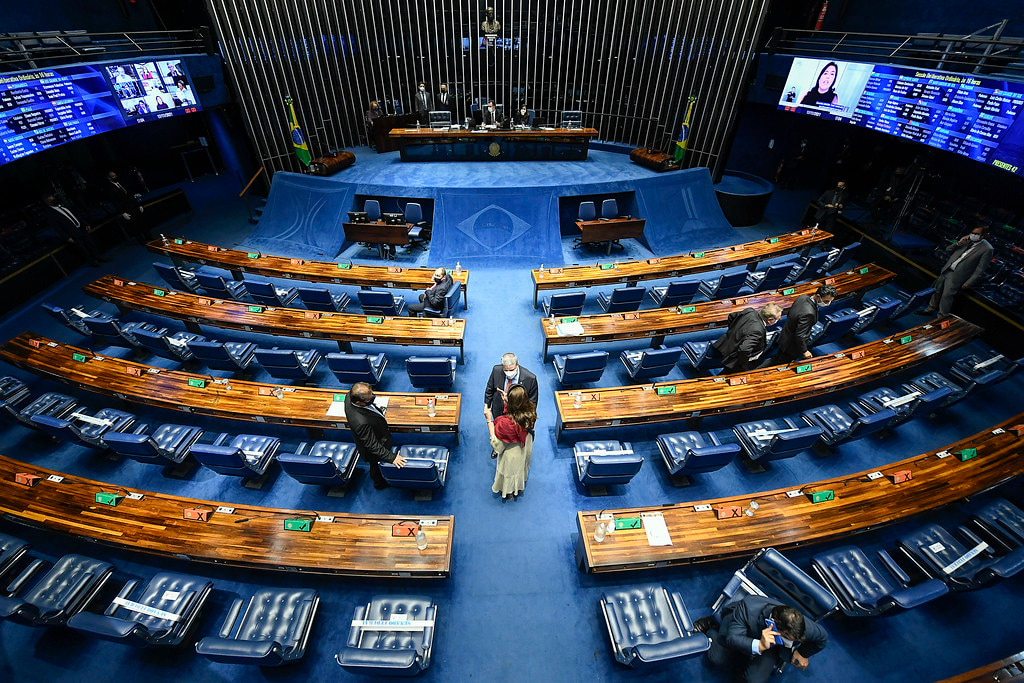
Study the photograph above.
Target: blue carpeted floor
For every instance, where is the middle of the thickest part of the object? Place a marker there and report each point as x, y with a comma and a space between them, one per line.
515, 607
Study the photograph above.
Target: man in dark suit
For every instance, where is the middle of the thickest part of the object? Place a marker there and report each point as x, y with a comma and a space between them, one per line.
423, 103
492, 117
799, 320
745, 340
968, 258
445, 101
504, 377
370, 429
830, 205
435, 294
72, 226
747, 642
127, 205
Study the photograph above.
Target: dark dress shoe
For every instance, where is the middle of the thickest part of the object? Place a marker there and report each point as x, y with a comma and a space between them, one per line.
704, 624
381, 485
494, 454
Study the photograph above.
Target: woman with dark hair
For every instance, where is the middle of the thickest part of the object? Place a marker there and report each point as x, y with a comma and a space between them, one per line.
512, 441
824, 89
160, 104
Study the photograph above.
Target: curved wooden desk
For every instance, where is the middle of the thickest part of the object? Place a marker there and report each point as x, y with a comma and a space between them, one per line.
345, 273
343, 328
251, 537
631, 272
859, 504
690, 398
1006, 669
657, 323
233, 399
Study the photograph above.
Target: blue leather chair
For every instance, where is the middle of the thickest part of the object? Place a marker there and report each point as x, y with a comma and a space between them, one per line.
111, 332
702, 355
863, 590
623, 299
57, 595
609, 209
169, 445
173, 346
984, 368
931, 381
769, 279
768, 440
177, 278
932, 548
808, 267
179, 594
905, 406
907, 302
838, 426
328, 463
449, 304
564, 304
92, 427
580, 368
390, 653
689, 453
426, 468
587, 212
771, 574
839, 256
350, 368
372, 209
414, 216
376, 302
675, 293
1002, 519
73, 318
247, 455
723, 286
11, 550
836, 326
650, 363
230, 356
269, 294
875, 313
648, 626
12, 390
216, 286
431, 371
51, 404
288, 364
323, 299
272, 629
601, 463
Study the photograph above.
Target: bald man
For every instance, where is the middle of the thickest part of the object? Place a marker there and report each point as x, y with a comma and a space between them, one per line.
434, 296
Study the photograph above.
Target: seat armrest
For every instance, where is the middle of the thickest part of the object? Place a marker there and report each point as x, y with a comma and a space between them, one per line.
676, 600
680, 647
975, 540
236, 649
105, 626
125, 591
25, 575
141, 428
611, 616
229, 621
391, 659
355, 632
221, 438
301, 450
893, 568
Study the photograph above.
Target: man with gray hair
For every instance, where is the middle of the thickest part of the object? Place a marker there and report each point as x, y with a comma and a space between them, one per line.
744, 343
435, 294
503, 377
800, 319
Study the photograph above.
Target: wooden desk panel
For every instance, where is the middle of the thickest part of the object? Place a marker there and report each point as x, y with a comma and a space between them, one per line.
1007, 669
233, 399
344, 328
860, 504
377, 232
446, 134
611, 230
657, 323
351, 545
239, 262
631, 272
641, 404
493, 144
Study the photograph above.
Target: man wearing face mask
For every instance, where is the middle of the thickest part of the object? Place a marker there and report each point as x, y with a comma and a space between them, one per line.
830, 205
523, 117
423, 102
434, 295
445, 101
504, 377
968, 258
492, 117
370, 431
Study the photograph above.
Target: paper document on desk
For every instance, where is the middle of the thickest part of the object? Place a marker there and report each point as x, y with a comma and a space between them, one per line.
336, 409
657, 531
573, 329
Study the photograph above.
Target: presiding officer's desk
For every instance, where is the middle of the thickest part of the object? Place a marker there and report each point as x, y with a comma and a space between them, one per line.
443, 144
251, 537
610, 230
233, 399
657, 323
857, 504
182, 251
378, 233
631, 272
692, 398
343, 328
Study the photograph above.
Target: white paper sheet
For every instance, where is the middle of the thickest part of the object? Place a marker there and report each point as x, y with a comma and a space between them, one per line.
657, 531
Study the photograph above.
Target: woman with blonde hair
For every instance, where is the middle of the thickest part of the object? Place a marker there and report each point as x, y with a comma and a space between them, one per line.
512, 441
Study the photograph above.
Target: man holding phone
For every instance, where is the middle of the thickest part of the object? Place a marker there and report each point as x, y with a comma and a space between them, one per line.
503, 377
761, 635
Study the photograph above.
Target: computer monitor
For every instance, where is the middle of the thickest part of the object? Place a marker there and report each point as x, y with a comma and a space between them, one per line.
358, 217
440, 119
572, 118
394, 218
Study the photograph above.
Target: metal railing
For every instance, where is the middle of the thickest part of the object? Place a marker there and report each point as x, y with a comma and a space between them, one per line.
33, 50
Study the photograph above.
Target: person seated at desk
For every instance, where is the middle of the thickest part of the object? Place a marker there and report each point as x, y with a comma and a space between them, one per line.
373, 113
492, 117
523, 117
435, 294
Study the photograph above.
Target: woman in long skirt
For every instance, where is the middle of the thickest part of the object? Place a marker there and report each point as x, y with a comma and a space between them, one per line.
512, 441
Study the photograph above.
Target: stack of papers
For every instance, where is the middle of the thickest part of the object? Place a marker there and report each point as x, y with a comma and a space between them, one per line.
573, 329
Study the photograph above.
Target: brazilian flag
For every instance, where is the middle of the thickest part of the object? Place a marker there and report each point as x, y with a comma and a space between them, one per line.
684, 132
298, 139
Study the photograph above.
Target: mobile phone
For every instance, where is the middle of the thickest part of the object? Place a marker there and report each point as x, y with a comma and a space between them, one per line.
770, 623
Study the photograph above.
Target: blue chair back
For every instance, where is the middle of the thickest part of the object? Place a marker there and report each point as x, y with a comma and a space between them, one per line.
153, 341
170, 276
567, 303
317, 299
777, 576
657, 358
587, 211
263, 292
416, 474
413, 213
609, 209
448, 304
376, 302
610, 469
352, 367
372, 209
106, 330
790, 443
213, 355
837, 325
911, 302
140, 447
626, 299
679, 292
586, 367
213, 284
329, 463
228, 460
842, 256
774, 277
425, 371
66, 319
728, 284
285, 364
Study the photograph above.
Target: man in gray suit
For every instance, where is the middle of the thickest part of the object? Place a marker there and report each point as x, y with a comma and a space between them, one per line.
423, 102
968, 258
743, 344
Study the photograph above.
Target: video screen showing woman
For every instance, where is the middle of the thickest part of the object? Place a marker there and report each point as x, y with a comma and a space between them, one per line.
824, 87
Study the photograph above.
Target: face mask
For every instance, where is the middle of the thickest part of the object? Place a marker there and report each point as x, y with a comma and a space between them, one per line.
422, 88
975, 238
510, 373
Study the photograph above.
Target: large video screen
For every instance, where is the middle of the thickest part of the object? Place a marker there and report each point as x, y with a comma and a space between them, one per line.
979, 118
44, 108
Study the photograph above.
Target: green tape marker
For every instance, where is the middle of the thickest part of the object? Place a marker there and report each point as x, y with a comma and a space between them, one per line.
197, 383
80, 357
255, 309
698, 254
967, 453
111, 499
569, 320
801, 369
665, 391
789, 290
374, 319
864, 271
252, 255
178, 240
906, 339
338, 398
607, 266
344, 266
823, 496
773, 240
629, 523
298, 525
687, 309
159, 292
